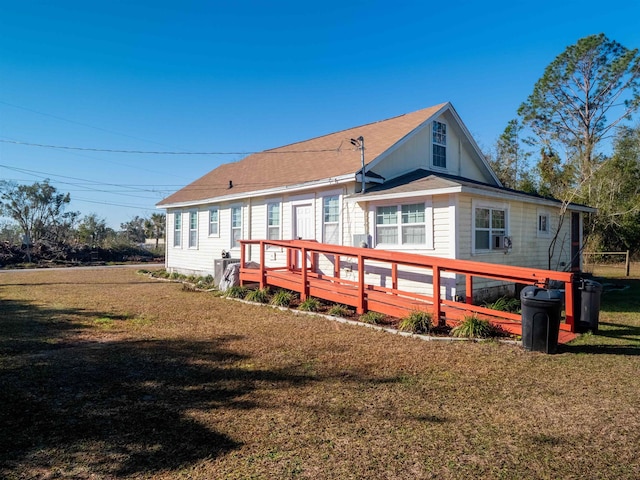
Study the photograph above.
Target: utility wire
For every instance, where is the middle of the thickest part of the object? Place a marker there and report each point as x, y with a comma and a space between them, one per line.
148, 152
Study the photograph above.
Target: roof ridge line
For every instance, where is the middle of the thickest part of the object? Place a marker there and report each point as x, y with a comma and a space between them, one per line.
351, 128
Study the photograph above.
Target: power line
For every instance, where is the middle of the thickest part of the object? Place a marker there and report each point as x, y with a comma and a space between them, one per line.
149, 152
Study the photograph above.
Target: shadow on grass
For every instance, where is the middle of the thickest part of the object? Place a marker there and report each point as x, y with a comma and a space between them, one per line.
600, 349
624, 300
112, 408
611, 339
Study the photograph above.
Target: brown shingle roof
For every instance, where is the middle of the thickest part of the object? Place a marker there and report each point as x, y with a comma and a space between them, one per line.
320, 158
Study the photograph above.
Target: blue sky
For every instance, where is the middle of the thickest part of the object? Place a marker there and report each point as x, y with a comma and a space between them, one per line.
240, 76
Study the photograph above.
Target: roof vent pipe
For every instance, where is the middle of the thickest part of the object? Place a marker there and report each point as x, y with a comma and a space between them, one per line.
230, 184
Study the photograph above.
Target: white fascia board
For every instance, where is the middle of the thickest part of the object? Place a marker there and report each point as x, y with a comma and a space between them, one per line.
395, 196
326, 182
525, 198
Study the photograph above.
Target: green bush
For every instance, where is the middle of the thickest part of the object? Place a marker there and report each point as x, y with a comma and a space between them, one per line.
372, 318
237, 291
504, 304
260, 295
473, 327
416, 322
310, 305
338, 311
282, 298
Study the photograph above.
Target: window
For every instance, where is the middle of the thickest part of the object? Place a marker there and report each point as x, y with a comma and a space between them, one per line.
193, 229
236, 226
401, 225
413, 227
177, 229
544, 224
214, 222
490, 228
273, 221
439, 145
331, 220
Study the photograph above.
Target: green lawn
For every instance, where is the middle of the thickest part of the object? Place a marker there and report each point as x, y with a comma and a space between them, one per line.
109, 374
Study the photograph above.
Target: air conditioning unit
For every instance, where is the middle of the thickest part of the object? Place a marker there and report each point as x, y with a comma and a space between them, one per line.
497, 242
362, 239
500, 242
219, 266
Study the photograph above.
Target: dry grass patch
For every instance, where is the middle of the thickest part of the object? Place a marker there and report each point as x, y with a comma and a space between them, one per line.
185, 385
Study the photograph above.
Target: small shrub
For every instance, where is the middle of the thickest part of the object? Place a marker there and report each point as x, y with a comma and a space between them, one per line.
372, 318
310, 305
260, 295
473, 327
237, 291
282, 298
416, 322
338, 311
504, 304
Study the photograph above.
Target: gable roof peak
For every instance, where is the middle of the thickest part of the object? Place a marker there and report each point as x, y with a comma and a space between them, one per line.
303, 162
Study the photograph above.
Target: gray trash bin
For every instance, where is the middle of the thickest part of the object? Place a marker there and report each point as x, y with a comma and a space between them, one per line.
589, 292
540, 318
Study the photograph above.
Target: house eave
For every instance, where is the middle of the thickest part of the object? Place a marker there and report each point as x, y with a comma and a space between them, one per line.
357, 198
326, 182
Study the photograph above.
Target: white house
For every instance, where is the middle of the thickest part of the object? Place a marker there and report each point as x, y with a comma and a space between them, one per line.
427, 189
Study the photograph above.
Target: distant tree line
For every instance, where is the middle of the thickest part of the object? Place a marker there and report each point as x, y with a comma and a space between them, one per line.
586, 97
37, 220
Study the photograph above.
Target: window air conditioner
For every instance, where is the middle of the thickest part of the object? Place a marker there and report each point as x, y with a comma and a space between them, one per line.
500, 242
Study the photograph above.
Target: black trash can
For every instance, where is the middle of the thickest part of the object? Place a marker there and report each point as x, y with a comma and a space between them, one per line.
588, 301
540, 318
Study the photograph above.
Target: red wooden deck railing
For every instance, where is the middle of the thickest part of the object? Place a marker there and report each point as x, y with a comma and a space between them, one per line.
305, 278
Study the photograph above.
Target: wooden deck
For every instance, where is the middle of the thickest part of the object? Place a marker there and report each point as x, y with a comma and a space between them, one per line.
308, 280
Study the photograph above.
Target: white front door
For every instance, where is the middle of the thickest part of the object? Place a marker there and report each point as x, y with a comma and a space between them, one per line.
303, 222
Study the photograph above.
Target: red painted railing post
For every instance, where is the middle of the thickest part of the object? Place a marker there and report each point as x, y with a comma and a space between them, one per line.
469, 289
336, 266
436, 295
242, 247
304, 291
394, 275
570, 318
360, 309
263, 273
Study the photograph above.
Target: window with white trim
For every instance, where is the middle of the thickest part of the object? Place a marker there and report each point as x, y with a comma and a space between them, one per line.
236, 226
177, 229
439, 140
273, 221
331, 219
214, 222
544, 224
193, 229
490, 228
401, 224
